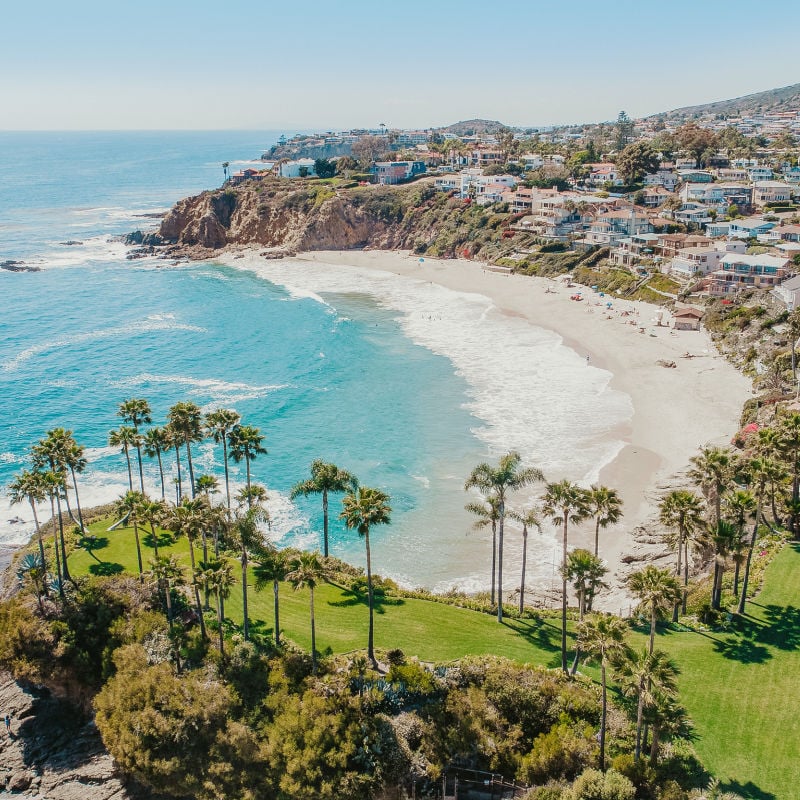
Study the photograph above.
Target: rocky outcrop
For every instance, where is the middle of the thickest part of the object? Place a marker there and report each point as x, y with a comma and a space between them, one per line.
52, 752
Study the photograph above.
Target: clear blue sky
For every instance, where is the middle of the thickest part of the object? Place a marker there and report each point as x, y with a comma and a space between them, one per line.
262, 64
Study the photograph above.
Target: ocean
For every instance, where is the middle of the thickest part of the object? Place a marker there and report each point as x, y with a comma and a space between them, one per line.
404, 383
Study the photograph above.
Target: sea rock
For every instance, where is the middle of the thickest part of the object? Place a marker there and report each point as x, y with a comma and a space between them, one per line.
18, 266
71, 243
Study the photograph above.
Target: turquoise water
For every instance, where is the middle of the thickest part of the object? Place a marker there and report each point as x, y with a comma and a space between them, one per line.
91, 329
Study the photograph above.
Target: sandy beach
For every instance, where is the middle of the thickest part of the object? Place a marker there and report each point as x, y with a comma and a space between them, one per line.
675, 410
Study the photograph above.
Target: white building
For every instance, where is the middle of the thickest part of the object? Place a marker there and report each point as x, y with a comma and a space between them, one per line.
302, 167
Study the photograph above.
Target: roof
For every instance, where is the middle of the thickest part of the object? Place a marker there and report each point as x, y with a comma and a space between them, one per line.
697, 251
791, 284
771, 185
762, 260
688, 312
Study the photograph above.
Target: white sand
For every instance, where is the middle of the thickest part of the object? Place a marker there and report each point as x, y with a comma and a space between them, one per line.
675, 410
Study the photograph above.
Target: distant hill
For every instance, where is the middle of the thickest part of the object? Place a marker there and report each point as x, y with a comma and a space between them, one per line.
772, 100
470, 127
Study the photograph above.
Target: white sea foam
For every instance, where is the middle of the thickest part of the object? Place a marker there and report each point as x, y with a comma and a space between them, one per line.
131, 329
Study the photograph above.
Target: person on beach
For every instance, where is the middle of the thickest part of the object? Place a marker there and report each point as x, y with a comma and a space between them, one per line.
587, 359
8, 723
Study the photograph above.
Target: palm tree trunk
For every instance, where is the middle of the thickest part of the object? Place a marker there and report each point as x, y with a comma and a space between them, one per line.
161, 473
219, 623
59, 574
501, 521
130, 473
597, 537
677, 607
736, 578
370, 638
64, 565
564, 600
206, 591
191, 467
139, 458
77, 499
247, 464
245, 624
524, 560
325, 522
716, 585
225, 461
155, 540
275, 585
746, 577
603, 717
654, 747
179, 486
138, 551
314, 636
653, 620
197, 592
39, 539
494, 558
639, 715
685, 573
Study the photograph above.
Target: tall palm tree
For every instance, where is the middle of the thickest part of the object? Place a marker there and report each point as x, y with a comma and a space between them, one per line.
185, 419
52, 482
657, 590
586, 572
325, 479
758, 471
156, 441
136, 411
125, 437
529, 518
217, 574
54, 451
75, 462
307, 571
175, 440
602, 637
789, 432
362, 509
206, 485
565, 502
683, 510
723, 540
642, 675
219, 424
498, 481
246, 442
129, 507
741, 505
712, 470
487, 513
152, 512
29, 485
605, 506
271, 568
248, 537
168, 572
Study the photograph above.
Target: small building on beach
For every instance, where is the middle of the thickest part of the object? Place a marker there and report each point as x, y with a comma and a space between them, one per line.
687, 318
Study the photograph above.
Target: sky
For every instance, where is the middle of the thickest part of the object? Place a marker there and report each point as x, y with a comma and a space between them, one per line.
261, 64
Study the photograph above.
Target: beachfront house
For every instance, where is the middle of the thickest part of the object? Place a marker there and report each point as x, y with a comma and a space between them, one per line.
739, 271
687, 318
693, 261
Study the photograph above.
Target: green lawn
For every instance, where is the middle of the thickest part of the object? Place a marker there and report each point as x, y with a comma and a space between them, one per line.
741, 688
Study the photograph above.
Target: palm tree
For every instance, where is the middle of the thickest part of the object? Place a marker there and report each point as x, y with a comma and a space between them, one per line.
683, 510
602, 636
217, 574
758, 471
565, 502
665, 715
642, 675
741, 505
129, 507
724, 541
137, 412
246, 442
52, 482
75, 461
248, 538
125, 437
53, 451
167, 571
586, 572
185, 420
325, 479
657, 590
487, 513
789, 431
29, 485
190, 518
529, 518
362, 508
271, 567
498, 481
152, 512
175, 441
206, 485
712, 470
605, 506
219, 424
308, 571
156, 441
31, 568
225, 165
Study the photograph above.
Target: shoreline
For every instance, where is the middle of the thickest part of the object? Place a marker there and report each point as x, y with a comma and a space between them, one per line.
675, 411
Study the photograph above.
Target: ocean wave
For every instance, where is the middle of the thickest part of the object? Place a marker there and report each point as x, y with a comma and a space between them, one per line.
132, 329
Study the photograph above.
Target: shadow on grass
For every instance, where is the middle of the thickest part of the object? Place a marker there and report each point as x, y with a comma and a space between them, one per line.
351, 598
92, 543
544, 635
162, 539
749, 791
106, 569
742, 649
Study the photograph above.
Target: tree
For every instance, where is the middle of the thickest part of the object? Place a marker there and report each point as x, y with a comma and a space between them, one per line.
53, 483
362, 509
248, 538
586, 572
497, 481
789, 447
219, 424
31, 568
125, 437
487, 513
712, 470
324, 168
152, 512
217, 574
602, 637
695, 140
643, 674
176, 440
59, 450
136, 411
368, 149
185, 421
624, 130
529, 518
246, 442
605, 505
225, 165
565, 502
168, 572
271, 568
156, 441
741, 505
683, 510
723, 538
307, 571
29, 485
637, 160
657, 591
758, 471
325, 479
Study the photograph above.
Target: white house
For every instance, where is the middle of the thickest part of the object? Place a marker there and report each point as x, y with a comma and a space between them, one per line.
296, 169
693, 261
771, 192
789, 292
749, 227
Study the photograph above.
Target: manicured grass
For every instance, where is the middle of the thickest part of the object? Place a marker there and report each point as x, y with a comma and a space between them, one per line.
740, 687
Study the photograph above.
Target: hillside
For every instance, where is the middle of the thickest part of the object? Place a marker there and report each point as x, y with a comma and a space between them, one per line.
470, 127
771, 100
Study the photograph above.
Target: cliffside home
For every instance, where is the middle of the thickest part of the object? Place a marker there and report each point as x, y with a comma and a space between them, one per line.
741, 271
771, 192
749, 227
391, 172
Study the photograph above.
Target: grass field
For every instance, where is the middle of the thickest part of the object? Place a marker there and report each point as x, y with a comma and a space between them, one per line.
740, 687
